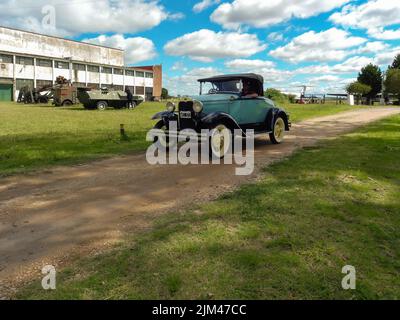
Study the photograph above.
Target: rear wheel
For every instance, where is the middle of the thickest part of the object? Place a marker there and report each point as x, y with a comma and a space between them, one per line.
67, 103
101, 105
220, 141
278, 133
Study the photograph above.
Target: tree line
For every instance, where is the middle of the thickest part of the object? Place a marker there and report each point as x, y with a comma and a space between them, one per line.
370, 79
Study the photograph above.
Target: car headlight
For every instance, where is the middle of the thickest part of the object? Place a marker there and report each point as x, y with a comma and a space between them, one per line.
197, 106
171, 106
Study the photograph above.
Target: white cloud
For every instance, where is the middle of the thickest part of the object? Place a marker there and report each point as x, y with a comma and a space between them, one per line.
137, 49
206, 45
261, 13
203, 5
275, 36
374, 16
240, 64
325, 78
77, 17
329, 45
178, 66
351, 65
186, 84
372, 47
386, 58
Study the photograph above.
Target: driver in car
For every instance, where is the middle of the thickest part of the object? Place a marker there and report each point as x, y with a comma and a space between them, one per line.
248, 91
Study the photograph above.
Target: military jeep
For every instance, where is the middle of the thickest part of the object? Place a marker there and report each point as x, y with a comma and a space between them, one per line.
226, 103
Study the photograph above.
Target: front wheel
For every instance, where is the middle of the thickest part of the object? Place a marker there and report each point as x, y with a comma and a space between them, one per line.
101, 105
278, 133
220, 141
165, 141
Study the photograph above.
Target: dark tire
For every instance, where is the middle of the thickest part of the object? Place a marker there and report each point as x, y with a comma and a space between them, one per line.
43, 100
67, 103
161, 126
101, 105
278, 131
220, 141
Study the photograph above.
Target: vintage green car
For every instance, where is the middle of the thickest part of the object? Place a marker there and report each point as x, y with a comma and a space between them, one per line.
227, 103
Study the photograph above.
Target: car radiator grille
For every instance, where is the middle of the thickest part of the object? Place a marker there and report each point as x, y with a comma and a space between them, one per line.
186, 115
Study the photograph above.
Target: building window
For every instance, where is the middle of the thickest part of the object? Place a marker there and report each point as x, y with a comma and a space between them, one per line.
43, 83
117, 87
20, 83
25, 61
130, 73
139, 74
79, 67
44, 63
6, 58
140, 90
149, 91
131, 89
149, 75
61, 65
79, 84
106, 70
119, 72
93, 69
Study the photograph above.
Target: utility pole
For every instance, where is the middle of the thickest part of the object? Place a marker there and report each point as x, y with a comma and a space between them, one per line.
383, 89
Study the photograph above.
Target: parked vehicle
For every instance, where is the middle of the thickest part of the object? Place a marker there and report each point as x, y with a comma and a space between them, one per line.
104, 98
34, 96
226, 103
65, 95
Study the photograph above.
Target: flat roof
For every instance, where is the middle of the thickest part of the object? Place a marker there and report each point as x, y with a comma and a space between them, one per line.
61, 38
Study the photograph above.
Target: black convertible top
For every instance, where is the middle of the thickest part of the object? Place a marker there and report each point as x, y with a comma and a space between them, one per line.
249, 76
257, 81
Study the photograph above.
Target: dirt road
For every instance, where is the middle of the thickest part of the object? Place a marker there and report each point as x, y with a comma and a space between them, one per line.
45, 217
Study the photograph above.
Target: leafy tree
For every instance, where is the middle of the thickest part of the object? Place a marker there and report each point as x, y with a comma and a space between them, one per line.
396, 62
371, 75
275, 95
358, 89
392, 82
164, 93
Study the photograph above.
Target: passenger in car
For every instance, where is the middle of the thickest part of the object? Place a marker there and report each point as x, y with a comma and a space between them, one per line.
248, 91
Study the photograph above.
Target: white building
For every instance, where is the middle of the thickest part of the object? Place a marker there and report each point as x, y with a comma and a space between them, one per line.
28, 58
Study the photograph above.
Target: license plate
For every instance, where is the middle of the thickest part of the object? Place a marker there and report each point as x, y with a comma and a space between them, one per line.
186, 114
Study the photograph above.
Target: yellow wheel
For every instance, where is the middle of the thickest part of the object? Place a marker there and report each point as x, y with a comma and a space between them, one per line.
278, 133
220, 141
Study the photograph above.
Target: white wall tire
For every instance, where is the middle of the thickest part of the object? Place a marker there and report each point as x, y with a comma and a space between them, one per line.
278, 132
220, 141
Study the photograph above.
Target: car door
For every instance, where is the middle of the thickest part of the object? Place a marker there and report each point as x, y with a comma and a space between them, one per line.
250, 111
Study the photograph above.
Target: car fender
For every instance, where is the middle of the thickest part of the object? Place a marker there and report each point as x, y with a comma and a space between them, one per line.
211, 119
273, 114
166, 116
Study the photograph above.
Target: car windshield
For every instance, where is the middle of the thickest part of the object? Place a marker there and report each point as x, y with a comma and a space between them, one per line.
215, 87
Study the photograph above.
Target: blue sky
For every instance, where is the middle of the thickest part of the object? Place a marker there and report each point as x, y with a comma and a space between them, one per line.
290, 42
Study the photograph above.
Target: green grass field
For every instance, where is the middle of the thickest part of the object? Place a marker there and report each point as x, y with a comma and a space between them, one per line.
33, 137
285, 237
